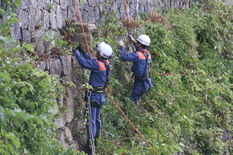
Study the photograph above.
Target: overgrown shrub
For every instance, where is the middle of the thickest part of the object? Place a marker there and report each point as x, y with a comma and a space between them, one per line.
188, 109
26, 95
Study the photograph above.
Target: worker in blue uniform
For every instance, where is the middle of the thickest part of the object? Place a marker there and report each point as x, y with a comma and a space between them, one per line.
99, 78
141, 59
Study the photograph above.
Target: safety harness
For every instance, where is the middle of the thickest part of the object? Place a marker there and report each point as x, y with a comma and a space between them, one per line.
145, 76
108, 69
88, 100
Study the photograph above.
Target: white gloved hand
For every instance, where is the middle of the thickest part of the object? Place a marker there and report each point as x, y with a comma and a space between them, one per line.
131, 38
121, 43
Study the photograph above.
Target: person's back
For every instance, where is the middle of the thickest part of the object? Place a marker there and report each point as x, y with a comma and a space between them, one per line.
99, 79
141, 59
141, 65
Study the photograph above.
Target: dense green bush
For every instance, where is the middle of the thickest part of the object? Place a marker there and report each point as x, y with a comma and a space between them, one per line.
26, 95
187, 110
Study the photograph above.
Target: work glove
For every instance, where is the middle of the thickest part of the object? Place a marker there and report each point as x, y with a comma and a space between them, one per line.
131, 38
74, 51
121, 43
81, 49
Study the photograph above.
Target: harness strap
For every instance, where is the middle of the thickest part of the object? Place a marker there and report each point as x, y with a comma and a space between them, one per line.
145, 75
146, 56
108, 69
98, 89
143, 78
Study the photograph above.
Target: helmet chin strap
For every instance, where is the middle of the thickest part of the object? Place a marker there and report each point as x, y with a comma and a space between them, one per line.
138, 46
99, 56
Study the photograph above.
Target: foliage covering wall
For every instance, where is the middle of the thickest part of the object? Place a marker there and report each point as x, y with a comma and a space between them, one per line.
188, 110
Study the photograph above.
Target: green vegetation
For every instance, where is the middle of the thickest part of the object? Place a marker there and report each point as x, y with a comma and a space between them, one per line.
186, 111
26, 95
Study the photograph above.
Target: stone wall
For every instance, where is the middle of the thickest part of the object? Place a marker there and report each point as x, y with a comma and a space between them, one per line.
70, 125
41, 19
228, 2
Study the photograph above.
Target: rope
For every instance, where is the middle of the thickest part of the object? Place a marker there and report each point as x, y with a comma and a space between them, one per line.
128, 120
81, 23
127, 14
90, 123
184, 73
88, 49
128, 28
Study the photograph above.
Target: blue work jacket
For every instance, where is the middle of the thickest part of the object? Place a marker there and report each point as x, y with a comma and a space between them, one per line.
138, 59
98, 70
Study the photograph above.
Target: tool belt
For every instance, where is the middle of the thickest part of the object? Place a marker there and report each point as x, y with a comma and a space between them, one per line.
98, 89
141, 78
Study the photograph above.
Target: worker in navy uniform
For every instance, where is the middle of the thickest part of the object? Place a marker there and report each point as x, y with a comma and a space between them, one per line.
141, 59
99, 78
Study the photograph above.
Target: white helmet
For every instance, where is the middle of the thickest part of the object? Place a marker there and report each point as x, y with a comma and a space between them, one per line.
104, 50
144, 40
